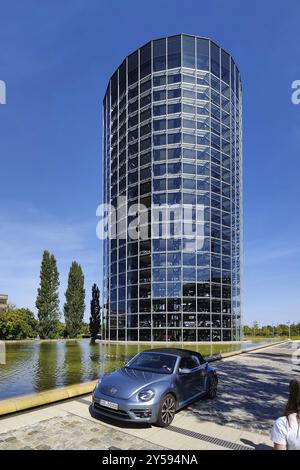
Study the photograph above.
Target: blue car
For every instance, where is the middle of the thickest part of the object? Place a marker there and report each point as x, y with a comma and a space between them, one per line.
153, 385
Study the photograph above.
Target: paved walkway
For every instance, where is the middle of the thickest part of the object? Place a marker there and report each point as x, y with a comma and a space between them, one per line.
252, 390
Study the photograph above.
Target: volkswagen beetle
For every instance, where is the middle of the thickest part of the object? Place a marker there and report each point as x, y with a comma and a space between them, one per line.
153, 385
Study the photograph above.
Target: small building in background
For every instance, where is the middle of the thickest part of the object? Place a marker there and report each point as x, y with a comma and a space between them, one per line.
3, 301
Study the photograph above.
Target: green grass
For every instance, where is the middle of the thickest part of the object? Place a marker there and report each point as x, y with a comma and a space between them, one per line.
264, 338
270, 338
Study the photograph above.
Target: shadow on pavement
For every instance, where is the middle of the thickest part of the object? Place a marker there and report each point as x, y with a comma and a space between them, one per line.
256, 446
251, 393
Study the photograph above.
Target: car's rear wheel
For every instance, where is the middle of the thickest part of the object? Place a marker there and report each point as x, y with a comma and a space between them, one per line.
166, 411
212, 386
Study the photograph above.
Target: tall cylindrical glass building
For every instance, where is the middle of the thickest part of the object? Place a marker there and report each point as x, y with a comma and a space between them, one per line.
172, 164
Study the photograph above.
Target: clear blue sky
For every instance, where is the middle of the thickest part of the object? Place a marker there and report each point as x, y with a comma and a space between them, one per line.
56, 57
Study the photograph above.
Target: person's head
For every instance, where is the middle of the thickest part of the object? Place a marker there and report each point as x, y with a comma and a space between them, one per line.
293, 404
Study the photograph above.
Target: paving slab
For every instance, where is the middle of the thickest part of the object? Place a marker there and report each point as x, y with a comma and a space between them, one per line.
71, 432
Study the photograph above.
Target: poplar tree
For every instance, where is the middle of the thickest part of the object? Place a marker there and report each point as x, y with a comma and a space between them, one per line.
75, 301
47, 301
95, 313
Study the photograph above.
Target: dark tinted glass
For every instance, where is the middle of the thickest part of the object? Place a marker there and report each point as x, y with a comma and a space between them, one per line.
159, 363
122, 78
114, 88
145, 115
174, 52
160, 80
133, 92
225, 66
202, 54
215, 59
159, 55
188, 51
232, 75
133, 68
237, 81
145, 86
145, 60
189, 362
174, 78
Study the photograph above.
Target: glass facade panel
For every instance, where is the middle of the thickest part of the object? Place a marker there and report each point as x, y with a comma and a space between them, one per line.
188, 46
159, 55
145, 62
202, 54
225, 66
172, 140
215, 59
174, 52
133, 72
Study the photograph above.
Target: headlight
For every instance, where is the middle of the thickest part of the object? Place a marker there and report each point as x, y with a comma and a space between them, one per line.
146, 395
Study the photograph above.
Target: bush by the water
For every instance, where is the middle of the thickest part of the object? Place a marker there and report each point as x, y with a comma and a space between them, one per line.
17, 323
20, 323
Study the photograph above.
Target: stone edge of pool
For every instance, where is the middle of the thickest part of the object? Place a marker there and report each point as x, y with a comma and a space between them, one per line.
26, 402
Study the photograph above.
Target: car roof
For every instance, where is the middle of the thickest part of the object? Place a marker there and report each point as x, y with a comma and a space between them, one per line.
175, 352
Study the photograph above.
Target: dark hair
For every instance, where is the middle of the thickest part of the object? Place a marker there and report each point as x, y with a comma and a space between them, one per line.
293, 403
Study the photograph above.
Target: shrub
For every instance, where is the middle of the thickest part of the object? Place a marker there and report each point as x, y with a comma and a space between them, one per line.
17, 324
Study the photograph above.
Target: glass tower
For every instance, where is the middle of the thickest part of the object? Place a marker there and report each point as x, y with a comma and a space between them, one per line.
172, 138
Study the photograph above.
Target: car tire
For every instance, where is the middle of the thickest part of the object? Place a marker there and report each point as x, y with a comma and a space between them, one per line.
212, 386
166, 411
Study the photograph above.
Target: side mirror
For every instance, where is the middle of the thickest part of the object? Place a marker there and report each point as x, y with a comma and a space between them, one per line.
184, 371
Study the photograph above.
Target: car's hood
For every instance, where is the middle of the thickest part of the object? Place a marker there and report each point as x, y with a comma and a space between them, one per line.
123, 383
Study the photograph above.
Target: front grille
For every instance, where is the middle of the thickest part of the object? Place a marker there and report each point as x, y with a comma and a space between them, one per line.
109, 411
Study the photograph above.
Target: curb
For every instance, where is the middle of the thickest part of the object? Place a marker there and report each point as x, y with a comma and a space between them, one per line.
13, 405
25, 402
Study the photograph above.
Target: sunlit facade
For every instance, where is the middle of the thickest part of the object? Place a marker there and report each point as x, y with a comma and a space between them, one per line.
3, 301
172, 133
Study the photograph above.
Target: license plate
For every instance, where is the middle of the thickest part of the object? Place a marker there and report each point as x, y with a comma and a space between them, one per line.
109, 404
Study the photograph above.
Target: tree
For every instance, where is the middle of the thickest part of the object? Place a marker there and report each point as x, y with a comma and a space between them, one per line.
75, 301
85, 330
255, 328
282, 329
95, 313
247, 330
47, 302
17, 323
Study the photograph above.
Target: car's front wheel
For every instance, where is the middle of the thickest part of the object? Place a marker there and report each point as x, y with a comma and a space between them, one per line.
212, 386
166, 411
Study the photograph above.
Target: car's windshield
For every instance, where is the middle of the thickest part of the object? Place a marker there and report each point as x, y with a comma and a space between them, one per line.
153, 362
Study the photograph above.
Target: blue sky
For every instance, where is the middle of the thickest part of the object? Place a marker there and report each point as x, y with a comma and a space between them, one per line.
56, 57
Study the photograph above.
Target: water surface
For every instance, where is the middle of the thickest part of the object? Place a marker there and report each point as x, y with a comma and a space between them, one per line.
33, 366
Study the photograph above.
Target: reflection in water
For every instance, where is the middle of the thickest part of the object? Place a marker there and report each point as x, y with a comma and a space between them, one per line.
45, 376
41, 365
20, 357
73, 367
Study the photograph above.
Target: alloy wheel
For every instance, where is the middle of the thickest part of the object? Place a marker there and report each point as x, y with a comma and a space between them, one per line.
168, 410
213, 388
